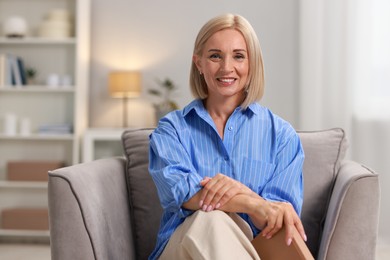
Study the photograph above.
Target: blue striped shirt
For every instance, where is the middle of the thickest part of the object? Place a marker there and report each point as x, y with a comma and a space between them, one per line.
259, 149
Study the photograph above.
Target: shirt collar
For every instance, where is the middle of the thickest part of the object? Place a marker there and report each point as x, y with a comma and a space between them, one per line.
198, 107
254, 107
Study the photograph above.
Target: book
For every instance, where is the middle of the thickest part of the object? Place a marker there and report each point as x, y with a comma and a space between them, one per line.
55, 129
5, 70
3, 64
16, 77
22, 70
12, 71
276, 248
8, 71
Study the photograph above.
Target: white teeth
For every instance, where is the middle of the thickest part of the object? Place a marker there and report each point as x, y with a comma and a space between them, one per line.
227, 80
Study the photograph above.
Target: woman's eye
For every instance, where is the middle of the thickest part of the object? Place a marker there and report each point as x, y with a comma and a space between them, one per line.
239, 57
215, 56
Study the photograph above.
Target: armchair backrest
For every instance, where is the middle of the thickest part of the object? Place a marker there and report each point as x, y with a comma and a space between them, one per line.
324, 151
145, 208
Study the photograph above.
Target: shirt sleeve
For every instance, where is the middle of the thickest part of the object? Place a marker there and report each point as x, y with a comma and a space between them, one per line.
172, 169
287, 182
286, 185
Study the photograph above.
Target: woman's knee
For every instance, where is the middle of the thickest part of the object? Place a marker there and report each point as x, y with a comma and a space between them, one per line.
211, 217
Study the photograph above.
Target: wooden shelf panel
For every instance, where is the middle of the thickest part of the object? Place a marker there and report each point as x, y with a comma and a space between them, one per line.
36, 89
24, 233
23, 184
38, 137
37, 40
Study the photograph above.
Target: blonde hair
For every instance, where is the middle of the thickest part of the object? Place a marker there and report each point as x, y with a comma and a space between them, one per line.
255, 86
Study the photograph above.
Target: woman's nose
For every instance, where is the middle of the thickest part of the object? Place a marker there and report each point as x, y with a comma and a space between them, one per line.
227, 65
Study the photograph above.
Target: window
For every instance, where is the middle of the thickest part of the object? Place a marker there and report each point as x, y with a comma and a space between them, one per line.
372, 72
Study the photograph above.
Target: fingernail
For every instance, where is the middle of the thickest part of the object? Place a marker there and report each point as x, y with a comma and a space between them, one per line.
218, 205
268, 236
209, 208
204, 207
201, 203
305, 238
289, 241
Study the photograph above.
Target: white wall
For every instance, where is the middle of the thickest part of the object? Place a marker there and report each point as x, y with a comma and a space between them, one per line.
156, 37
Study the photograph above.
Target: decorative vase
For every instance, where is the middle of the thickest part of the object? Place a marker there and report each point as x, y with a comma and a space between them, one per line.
15, 27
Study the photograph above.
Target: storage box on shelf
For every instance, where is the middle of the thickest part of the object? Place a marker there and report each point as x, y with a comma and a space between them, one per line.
41, 119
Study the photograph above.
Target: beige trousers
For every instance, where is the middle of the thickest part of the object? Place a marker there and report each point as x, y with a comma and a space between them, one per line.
211, 235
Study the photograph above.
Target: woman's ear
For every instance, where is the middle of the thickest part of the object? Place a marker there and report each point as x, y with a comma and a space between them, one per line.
196, 60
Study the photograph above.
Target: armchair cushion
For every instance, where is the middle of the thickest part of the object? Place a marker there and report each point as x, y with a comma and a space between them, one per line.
145, 205
324, 151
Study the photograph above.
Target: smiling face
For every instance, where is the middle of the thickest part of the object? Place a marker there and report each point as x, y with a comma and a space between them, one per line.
225, 66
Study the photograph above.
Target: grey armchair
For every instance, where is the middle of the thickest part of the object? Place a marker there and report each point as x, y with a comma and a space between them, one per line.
109, 209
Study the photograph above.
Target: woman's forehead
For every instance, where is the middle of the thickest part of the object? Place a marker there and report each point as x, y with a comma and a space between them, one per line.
227, 39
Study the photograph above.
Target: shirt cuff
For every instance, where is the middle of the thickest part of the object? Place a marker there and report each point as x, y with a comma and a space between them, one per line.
255, 230
193, 182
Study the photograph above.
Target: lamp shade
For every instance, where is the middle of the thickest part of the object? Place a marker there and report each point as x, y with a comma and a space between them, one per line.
124, 84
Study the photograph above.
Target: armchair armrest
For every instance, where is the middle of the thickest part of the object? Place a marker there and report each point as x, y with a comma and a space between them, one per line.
89, 211
352, 216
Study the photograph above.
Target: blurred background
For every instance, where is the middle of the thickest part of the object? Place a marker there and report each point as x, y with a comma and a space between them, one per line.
327, 64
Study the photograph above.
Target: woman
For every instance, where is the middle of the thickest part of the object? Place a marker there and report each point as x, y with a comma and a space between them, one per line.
226, 168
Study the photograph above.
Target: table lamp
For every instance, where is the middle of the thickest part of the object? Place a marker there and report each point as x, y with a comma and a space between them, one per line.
125, 85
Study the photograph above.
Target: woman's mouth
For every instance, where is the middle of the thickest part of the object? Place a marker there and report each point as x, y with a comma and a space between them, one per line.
227, 81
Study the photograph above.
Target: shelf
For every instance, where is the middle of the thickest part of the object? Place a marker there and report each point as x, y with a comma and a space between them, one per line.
38, 137
36, 89
43, 105
23, 184
36, 40
25, 233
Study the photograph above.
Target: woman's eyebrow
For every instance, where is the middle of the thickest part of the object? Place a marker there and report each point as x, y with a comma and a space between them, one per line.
236, 50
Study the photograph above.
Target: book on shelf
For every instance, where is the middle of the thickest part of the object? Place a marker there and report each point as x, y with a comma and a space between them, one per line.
22, 71
12, 70
2, 70
55, 129
5, 71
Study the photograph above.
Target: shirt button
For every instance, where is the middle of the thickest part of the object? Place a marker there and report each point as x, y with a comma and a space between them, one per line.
230, 128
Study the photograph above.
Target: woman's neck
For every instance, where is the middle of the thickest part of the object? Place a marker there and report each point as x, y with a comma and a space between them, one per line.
220, 111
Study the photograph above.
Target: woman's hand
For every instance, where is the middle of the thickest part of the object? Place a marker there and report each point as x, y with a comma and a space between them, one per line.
227, 194
219, 190
272, 216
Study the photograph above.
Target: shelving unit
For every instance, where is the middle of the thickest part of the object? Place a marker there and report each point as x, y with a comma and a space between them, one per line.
41, 104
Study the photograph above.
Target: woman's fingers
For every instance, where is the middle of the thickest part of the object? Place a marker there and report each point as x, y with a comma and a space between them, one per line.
217, 191
300, 228
292, 223
213, 191
203, 192
274, 217
283, 214
289, 224
205, 181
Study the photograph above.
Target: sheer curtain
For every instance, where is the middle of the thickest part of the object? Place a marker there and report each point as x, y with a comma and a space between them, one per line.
345, 80
371, 109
